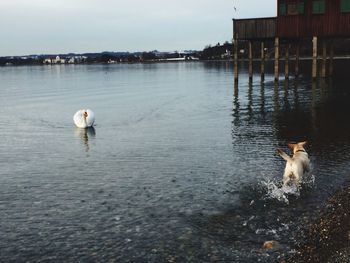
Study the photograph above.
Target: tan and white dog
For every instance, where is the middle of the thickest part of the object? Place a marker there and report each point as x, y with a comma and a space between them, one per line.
296, 165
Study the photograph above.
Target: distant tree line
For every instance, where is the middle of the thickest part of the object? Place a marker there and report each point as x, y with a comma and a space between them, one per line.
216, 52
20, 61
104, 57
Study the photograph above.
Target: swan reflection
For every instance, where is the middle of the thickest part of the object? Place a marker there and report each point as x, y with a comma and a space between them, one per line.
85, 135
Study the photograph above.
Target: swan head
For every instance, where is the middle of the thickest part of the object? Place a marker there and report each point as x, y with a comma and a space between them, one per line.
85, 114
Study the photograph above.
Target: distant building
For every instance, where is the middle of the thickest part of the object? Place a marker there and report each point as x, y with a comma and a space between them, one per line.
299, 19
71, 60
55, 60
59, 60
47, 61
308, 18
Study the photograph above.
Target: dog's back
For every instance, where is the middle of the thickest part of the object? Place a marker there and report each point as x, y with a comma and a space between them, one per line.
296, 165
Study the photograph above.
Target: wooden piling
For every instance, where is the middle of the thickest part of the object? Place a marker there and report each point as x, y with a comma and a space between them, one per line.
262, 66
297, 58
324, 58
331, 57
286, 64
235, 58
250, 55
276, 69
314, 58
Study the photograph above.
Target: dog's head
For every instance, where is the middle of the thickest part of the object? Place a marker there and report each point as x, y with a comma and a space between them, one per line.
297, 146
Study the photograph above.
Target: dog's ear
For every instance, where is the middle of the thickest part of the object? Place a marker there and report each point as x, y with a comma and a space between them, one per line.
302, 144
291, 145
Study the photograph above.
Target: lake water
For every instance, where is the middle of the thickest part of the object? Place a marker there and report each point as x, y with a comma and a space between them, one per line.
181, 165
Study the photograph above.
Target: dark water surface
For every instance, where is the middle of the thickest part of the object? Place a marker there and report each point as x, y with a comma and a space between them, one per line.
175, 170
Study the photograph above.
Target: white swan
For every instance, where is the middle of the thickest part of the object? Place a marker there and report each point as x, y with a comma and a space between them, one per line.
84, 118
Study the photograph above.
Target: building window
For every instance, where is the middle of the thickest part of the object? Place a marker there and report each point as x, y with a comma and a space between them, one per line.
318, 7
282, 9
301, 8
292, 9
345, 5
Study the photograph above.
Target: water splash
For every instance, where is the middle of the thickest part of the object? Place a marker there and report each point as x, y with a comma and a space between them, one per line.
275, 190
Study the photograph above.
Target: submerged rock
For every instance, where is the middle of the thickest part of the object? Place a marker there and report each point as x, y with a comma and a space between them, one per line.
271, 245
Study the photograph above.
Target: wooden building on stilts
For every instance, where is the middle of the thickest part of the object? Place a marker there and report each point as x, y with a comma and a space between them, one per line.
319, 22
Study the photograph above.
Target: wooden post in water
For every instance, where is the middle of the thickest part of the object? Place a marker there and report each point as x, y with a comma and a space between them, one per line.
250, 55
314, 58
331, 57
297, 57
235, 58
286, 64
262, 66
324, 58
276, 59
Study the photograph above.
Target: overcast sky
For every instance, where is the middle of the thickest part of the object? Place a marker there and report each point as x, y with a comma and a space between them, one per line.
63, 26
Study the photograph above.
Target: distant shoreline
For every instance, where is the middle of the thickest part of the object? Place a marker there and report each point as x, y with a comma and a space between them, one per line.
175, 60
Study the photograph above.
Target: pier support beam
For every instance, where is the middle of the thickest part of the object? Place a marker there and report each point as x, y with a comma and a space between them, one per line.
286, 65
276, 69
262, 66
235, 59
331, 58
250, 55
297, 58
324, 58
314, 58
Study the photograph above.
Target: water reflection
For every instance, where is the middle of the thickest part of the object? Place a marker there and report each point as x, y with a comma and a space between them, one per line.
85, 135
262, 100
296, 94
276, 104
286, 94
250, 101
295, 110
236, 106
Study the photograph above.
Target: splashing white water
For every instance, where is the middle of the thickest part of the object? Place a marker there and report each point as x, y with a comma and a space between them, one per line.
277, 191
274, 191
